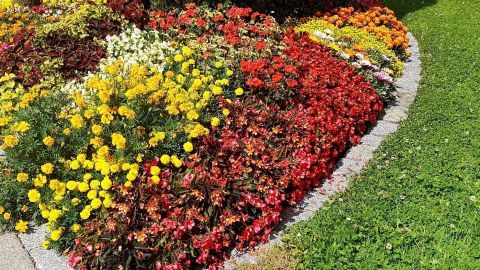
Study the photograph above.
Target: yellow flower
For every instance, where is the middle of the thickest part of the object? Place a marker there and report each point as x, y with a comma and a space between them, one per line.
45, 213
188, 147
54, 214
34, 195
97, 129
155, 179
75, 228
48, 141
165, 159
239, 91
225, 112
83, 187
215, 121
187, 51
22, 177
56, 234
107, 202
85, 214
72, 185
218, 64
178, 58
21, 226
176, 162
106, 183
47, 168
67, 132
9, 141
2, 210
128, 184
21, 126
92, 194
46, 244
155, 170
75, 201
7, 216
96, 203
119, 141
77, 121
132, 174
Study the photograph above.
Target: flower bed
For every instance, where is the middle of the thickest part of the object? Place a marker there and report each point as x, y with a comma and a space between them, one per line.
170, 137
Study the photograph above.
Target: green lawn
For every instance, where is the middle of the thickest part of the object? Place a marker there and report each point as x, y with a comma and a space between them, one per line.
417, 205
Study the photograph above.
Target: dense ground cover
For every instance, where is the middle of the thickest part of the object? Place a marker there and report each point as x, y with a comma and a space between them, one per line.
417, 204
169, 137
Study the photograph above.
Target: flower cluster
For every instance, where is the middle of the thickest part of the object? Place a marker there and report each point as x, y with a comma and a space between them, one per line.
170, 139
380, 21
370, 55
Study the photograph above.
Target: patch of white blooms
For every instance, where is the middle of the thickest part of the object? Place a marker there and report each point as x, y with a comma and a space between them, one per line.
132, 46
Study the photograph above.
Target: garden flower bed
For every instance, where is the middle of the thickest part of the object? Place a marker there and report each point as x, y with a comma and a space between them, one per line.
162, 139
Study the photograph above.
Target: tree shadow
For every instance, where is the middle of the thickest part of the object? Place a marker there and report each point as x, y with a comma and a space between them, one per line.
404, 7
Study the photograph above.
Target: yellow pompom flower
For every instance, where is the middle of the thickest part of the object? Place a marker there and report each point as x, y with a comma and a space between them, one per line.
85, 214
155, 170
188, 147
75, 165
48, 141
7, 216
56, 235
67, 132
47, 168
21, 127
21, 226
54, 215
96, 203
92, 194
77, 121
225, 112
22, 177
239, 91
107, 202
72, 185
215, 121
165, 159
106, 183
176, 162
34, 196
119, 141
97, 129
83, 187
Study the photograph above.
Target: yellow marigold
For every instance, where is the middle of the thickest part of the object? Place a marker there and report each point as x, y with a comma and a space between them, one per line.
22, 177
67, 132
9, 141
54, 214
34, 196
176, 162
48, 141
225, 112
75, 201
75, 165
239, 91
97, 129
85, 214
7, 216
72, 185
154, 170
21, 127
21, 226
188, 147
107, 202
96, 203
83, 187
165, 159
47, 168
119, 141
77, 121
75, 228
56, 235
106, 183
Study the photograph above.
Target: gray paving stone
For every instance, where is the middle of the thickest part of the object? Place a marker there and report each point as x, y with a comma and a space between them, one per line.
395, 114
12, 254
372, 140
361, 153
384, 128
44, 259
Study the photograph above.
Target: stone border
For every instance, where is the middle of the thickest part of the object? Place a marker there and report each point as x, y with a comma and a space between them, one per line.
353, 162
355, 159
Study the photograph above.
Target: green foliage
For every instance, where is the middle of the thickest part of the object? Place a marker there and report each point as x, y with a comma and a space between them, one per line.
417, 204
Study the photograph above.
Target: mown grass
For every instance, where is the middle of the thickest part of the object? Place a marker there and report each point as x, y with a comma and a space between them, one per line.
417, 205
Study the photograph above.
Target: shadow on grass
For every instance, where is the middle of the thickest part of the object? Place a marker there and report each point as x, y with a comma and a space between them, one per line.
404, 7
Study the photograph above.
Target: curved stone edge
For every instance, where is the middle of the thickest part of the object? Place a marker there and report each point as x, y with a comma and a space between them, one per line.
353, 162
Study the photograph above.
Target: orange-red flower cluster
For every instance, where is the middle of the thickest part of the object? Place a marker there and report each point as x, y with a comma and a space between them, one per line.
380, 21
